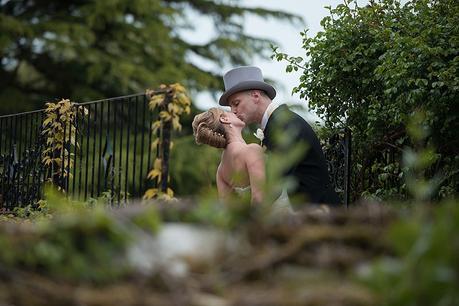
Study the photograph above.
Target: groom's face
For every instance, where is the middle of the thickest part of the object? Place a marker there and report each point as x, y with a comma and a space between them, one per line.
243, 106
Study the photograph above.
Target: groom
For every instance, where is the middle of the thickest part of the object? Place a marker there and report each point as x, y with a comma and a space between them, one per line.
250, 98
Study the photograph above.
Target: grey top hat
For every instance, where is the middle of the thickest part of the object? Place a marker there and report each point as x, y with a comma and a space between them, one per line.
244, 78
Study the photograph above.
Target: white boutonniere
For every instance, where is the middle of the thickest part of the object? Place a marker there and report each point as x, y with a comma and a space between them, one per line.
260, 135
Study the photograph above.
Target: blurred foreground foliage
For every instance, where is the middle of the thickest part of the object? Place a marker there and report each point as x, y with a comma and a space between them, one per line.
69, 239
424, 269
371, 254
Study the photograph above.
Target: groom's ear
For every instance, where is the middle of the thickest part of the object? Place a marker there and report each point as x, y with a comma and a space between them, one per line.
255, 95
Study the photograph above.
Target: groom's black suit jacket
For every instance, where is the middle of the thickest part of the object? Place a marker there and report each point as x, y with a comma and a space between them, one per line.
285, 130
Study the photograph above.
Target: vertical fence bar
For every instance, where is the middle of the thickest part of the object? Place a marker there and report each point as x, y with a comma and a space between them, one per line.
11, 134
11, 161
9, 145
26, 158
69, 153
51, 175
80, 166
88, 134
4, 153
22, 170
120, 185
24, 137
75, 152
62, 178
14, 127
7, 134
31, 153
112, 170
159, 136
28, 152
107, 140
2, 165
19, 139
135, 144
33, 148
142, 149
15, 167
32, 141
127, 151
150, 133
42, 175
40, 139
38, 178
101, 122
12, 175
5, 162
35, 142
1, 135
93, 150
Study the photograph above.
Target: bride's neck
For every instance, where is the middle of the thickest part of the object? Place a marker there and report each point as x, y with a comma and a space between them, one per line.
234, 135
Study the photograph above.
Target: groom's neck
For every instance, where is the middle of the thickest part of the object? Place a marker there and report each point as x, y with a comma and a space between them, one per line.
262, 109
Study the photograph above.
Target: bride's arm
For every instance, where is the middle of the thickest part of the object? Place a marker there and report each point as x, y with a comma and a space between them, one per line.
255, 164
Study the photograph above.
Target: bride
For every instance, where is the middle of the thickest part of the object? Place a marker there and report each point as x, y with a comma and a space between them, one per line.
241, 164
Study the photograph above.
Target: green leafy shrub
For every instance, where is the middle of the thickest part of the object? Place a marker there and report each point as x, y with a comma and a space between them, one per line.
370, 69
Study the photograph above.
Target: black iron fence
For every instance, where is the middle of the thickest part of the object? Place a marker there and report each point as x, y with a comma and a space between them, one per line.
108, 153
20, 158
337, 150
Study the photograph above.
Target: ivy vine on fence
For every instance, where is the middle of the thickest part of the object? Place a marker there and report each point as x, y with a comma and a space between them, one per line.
172, 102
59, 132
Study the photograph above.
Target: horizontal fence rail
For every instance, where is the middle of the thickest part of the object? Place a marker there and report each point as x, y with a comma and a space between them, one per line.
107, 153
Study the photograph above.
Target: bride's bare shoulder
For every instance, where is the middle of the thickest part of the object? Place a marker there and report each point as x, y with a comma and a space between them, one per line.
253, 150
247, 150
255, 147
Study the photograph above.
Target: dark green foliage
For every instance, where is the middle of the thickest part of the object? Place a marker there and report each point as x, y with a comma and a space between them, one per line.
85, 50
371, 68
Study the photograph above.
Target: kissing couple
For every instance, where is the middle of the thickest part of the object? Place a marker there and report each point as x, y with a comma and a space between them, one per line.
242, 165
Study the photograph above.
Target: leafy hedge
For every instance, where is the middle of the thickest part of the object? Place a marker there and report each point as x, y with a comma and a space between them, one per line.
371, 68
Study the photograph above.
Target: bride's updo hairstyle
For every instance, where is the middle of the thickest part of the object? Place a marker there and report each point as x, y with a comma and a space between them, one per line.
208, 129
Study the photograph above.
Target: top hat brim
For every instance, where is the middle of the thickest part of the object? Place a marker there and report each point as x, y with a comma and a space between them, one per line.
247, 85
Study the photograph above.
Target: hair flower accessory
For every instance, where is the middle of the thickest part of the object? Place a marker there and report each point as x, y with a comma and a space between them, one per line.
259, 134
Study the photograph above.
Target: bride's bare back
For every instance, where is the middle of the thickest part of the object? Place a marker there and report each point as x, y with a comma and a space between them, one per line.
241, 165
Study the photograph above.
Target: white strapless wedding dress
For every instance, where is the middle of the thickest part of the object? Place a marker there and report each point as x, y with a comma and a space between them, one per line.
280, 206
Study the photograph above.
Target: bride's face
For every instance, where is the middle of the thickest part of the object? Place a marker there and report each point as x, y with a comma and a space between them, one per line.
233, 119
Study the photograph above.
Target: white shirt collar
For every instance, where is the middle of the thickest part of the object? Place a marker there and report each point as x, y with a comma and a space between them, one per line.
269, 110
